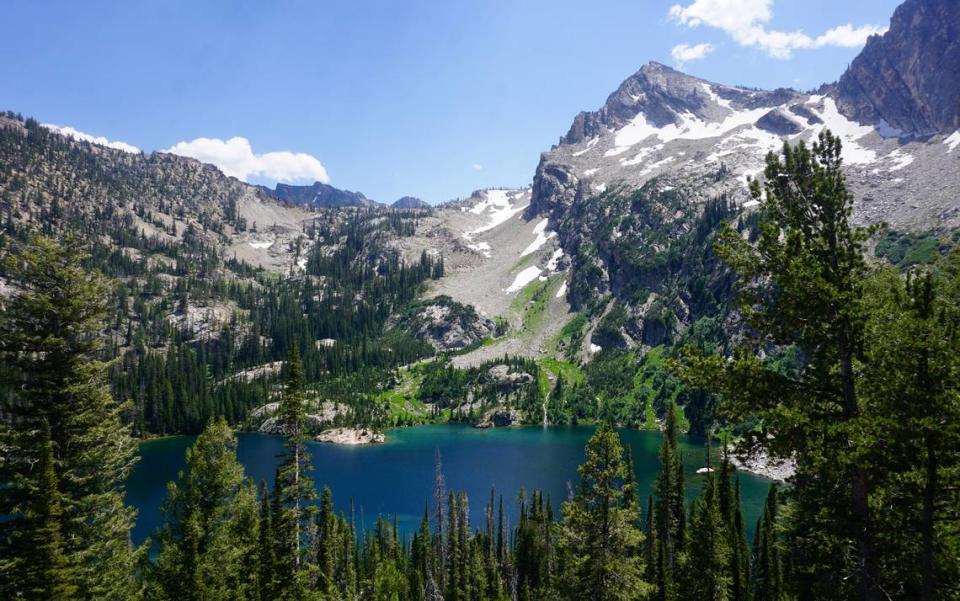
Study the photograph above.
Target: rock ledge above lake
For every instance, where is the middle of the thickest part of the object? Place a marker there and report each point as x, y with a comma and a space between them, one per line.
499, 418
350, 436
760, 463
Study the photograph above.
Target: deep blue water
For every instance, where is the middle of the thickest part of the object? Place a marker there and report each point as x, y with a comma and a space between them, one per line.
396, 478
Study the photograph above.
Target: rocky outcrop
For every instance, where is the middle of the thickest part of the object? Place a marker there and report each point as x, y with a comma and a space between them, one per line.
503, 375
908, 80
351, 436
410, 202
446, 324
499, 418
760, 463
778, 122
274, 425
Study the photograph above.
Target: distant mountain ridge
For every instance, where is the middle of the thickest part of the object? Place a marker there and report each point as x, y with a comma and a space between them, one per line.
320, 195
410, 202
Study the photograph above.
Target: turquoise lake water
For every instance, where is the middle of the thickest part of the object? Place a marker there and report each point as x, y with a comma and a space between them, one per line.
396, 478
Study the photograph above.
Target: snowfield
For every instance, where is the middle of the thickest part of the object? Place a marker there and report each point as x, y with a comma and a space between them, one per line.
523, 278
542, 236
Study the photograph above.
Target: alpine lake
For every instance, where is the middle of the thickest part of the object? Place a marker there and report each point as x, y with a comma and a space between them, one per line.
395, 479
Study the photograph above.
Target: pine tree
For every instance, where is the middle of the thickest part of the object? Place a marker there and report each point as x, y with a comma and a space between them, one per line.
293, 521
326, 544
801, 285
630, 501
670, 507
266, 557
767, 572
600, 539
50, 341
911, 379
209, 534
706, 562
47, 573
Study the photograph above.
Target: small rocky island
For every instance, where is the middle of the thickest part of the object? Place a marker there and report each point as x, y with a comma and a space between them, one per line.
350, 436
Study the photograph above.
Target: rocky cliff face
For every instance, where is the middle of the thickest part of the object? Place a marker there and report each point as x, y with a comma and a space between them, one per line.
320, 195
409, 202
634, 188
446, 324
908, 80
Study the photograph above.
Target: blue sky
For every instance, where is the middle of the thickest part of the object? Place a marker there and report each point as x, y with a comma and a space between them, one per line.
427, 98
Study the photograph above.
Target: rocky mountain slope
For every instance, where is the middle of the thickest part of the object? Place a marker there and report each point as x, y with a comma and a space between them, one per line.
610, 248
907, 80
634, 188
409, 202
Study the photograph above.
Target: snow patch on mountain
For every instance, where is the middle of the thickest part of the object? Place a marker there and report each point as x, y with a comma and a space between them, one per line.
481, 247
554, 259
953, 141
523, 278
542, 235
848, 131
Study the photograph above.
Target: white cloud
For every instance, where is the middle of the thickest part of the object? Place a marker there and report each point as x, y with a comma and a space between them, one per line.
235, 157
744, 20
79, 135
684, 53
477, 167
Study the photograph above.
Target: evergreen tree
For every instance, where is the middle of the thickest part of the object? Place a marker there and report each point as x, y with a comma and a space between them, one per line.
600, 539
705, 565
292, 522
209, 534
670, 512
767, 571
50, 341
326, 544
912, 378
802, 285
48, 575
266, 557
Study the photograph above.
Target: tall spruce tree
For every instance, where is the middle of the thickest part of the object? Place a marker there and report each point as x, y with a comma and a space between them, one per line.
266, 556
705, 565
912, 380
601, 542
50, 341
670, 512
802, 285
767, 584
293, 520
48, 574
208, 541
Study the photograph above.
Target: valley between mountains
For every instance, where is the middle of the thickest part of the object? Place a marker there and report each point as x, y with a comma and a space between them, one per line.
547, 304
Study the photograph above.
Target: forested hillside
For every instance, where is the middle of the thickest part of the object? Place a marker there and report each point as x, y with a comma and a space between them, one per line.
196, 329
869, 409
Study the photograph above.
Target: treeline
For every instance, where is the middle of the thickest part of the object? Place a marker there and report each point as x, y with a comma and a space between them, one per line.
224, 538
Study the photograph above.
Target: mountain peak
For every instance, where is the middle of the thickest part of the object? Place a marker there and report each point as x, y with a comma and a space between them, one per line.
907, 80
410, 202
663, 96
